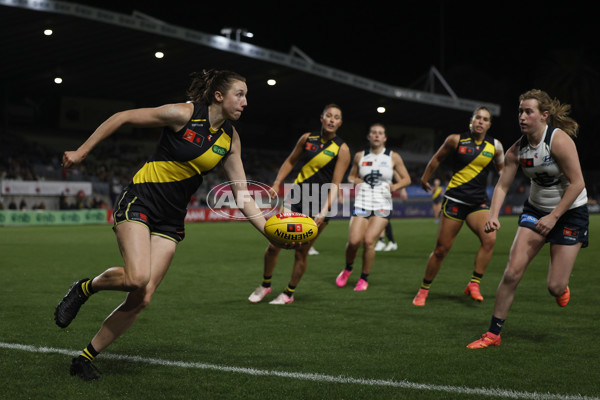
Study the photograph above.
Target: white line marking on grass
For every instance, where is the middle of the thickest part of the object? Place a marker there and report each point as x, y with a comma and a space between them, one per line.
510, 394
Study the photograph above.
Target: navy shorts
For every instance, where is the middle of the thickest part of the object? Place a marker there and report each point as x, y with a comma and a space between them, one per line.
570, 229
131, 208
359, 212
459, 211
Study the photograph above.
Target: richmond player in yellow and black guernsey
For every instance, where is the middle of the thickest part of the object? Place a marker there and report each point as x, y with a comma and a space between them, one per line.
475, 154
167, 181
318, 162
324, 159
149, 215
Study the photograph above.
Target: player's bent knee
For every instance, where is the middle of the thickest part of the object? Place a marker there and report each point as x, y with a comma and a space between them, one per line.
136, 283
440, 251
369, 243
488, 243
272, 250
511, 277
353, 245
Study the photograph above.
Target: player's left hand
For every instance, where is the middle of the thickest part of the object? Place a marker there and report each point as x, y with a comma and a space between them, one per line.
545, 224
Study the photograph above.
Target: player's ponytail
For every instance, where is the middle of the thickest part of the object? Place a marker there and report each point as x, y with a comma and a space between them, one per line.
206, 83
558, 114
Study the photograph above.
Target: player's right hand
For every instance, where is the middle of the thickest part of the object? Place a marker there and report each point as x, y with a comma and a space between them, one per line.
71, 158
492, 225
273, 191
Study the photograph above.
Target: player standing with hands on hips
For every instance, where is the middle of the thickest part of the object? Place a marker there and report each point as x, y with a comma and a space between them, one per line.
149, 214
324, 159
475, 153
555, 211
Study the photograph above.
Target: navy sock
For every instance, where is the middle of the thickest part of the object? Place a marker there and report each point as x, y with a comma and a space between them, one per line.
496, 325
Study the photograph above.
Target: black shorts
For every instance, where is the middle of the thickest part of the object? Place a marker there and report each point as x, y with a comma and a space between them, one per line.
131, 208
360, 212
571, 228
459, 211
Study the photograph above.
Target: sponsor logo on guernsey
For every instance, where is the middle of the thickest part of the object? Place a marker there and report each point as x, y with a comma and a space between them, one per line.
366, 163
328, 153
310, 147
193, 137
547, 160
487, 154
219, 150
293, 236
526, 162
464, 150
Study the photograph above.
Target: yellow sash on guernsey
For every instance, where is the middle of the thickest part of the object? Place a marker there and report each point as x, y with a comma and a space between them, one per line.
475, 167
317, 162
175, 171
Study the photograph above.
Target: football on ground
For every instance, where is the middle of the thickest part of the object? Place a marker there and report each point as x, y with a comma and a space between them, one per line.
290, 227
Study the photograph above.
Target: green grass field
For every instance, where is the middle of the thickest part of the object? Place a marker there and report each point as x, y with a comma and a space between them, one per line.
201, 339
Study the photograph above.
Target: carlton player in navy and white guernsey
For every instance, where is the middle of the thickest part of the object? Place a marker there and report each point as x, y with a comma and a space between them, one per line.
149, 215
556, 210
475, 154
373, 173
324, 159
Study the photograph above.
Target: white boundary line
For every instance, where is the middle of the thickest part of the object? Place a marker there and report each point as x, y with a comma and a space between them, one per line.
509, 394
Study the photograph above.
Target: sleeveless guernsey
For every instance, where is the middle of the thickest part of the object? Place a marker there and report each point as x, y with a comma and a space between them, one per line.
548, 183
377, 172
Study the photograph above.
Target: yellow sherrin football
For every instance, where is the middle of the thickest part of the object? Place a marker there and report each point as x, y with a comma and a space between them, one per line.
289, 227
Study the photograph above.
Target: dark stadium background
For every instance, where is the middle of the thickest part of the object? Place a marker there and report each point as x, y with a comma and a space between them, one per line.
487, 53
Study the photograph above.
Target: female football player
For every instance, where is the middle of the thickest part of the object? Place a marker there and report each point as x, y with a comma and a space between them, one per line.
149, 214
556, 210
372, 174
324, 158
475, 154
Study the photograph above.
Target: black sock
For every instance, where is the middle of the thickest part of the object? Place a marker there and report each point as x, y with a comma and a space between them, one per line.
364, 277
476, 277
89, 352
86, 288
349, 267
289, 290
389, 233
266, 281
496, 325
426, 284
